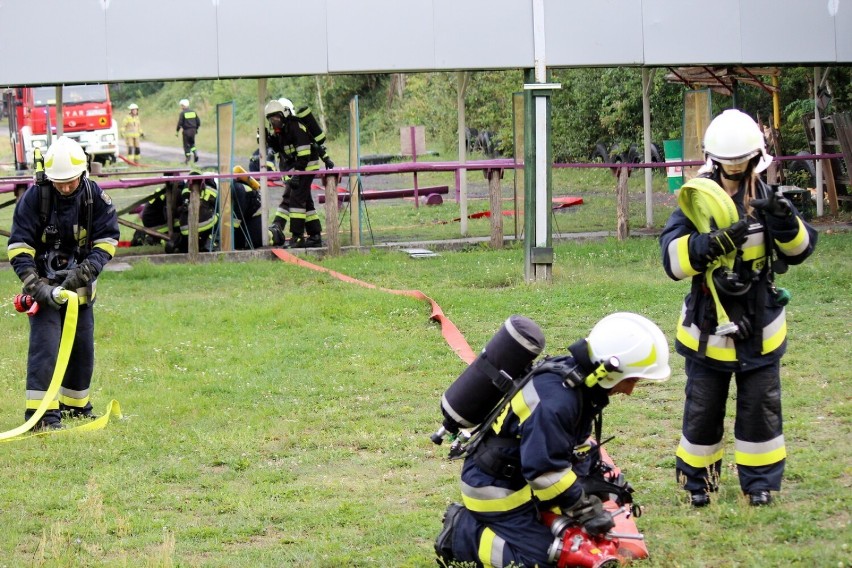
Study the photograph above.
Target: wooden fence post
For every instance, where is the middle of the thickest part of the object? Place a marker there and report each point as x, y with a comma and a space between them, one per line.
622, 224
332, 238
496, 206
194, 207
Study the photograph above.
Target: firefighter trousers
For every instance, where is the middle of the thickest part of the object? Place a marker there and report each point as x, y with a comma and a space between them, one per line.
300, 204
515, 538
759, 449
45, 333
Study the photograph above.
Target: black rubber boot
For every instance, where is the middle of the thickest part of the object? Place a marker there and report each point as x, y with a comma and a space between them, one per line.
313, 241
759, 498
444, 542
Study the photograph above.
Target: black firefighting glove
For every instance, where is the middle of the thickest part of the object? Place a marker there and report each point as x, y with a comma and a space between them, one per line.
78, 277
744, 329
41, 291
777, 211
724, 241
588, 511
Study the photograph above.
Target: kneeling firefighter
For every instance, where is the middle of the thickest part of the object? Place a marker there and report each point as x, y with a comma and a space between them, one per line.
208, 215
731, 235
524, 458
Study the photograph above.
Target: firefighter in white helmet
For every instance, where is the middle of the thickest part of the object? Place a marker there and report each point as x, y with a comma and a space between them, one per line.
742, 332
526, 462
295, 146
131, 131
64, 231
189, 122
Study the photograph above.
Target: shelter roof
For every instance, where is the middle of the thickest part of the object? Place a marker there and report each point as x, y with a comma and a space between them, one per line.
721, 79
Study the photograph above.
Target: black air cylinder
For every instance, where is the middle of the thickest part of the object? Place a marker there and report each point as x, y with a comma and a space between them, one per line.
306, 117
480, 387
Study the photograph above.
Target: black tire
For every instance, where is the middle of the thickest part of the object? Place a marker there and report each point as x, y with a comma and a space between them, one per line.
600, 154
804, 166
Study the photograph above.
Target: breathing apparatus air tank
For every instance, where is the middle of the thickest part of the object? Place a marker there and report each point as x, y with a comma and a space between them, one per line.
306, 117
505, 358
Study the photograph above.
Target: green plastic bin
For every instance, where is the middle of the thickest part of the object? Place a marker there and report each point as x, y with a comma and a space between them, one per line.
673, 149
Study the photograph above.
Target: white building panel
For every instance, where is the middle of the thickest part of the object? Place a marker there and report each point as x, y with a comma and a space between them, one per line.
795, 31
160, 39
52, 42
380, 35
691, 32
259, 38
483, 34
604, 32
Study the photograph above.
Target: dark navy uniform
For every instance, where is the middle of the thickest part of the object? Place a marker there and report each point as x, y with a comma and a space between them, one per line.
296, 150
62, 241
248, 228
190, 123
754, 360
526, 464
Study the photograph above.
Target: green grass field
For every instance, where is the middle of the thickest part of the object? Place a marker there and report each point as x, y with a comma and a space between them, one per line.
276, 416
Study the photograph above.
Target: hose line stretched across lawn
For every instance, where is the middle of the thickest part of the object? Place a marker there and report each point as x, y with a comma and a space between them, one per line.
66, 342
703, 201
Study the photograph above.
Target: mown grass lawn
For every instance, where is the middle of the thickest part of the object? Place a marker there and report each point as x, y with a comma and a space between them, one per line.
276, 416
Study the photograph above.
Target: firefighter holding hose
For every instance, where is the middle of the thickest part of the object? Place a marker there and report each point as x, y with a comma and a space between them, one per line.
64, 231
731, 235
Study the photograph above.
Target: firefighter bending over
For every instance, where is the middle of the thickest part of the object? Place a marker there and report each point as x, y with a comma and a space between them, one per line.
300, 148
64, 231
529, 459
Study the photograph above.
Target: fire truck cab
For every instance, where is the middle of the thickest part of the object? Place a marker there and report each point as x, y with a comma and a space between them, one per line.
86, 117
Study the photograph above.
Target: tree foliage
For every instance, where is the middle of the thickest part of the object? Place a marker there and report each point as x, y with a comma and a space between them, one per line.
594, 105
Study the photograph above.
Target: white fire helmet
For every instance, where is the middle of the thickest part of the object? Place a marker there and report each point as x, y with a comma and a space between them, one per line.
64, 160
734, 137
133, 106
288, 104
184, 102
273, 107
640, 346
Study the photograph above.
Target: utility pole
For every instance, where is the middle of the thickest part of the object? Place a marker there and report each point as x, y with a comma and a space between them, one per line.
538, 249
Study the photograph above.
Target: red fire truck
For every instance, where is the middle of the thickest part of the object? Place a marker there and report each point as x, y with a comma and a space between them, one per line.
87, 118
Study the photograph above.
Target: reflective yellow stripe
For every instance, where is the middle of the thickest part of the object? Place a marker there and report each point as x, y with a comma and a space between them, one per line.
681, 267
698, 461
775, 451
486, 545
34, 403
109, 248
497, 504
553, 490
689, 337
15, 250
798, 244
775, 340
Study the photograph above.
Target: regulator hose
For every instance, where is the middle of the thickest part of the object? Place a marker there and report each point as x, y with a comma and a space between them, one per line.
66, 342
709, 207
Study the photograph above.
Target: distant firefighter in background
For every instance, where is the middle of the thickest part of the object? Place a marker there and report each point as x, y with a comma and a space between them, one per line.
131, 131
189, 122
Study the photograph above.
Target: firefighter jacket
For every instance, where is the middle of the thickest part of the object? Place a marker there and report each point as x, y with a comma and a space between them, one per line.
131, 127
208, 215
529, 455
62, 239
684, 252
188, 120
294, 145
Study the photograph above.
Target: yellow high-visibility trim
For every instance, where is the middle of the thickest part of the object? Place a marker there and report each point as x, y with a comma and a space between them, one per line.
773, 342
558, 488
498, 505
699, 461
109, 248
756, 460
486, 544
13, 252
